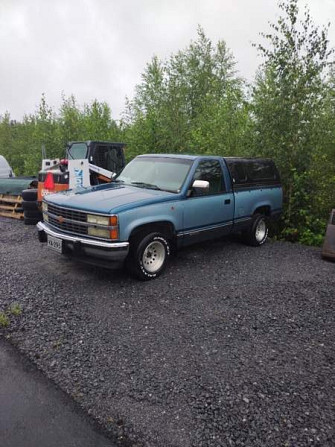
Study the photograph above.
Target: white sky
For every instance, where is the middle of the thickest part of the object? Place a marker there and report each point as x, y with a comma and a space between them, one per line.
98, 49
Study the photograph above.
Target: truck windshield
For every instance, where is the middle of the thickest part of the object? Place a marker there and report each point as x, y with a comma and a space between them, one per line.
77, 151
167, 174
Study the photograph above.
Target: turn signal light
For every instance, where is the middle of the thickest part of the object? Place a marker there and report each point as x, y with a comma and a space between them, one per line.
113, 221
114, 233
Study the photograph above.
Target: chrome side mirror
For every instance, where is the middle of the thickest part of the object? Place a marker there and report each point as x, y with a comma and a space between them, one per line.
200, 187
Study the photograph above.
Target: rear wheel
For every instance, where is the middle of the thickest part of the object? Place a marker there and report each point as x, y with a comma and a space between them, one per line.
258, 232
148, 255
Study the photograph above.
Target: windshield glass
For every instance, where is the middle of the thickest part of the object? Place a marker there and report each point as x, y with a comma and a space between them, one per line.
167, 174
77, 151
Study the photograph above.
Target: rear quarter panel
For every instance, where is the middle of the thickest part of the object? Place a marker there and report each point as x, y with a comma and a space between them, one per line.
247, 201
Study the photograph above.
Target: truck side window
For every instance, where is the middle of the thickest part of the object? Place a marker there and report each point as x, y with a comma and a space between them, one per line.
211, 171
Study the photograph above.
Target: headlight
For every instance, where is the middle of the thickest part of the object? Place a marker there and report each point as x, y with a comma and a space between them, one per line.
45, 217
99, 232
44, 207
99, 220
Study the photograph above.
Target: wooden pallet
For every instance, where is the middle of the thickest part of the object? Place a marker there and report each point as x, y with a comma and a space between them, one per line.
11, 206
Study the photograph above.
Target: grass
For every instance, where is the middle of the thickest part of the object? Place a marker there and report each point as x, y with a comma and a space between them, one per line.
4, 320
15, 309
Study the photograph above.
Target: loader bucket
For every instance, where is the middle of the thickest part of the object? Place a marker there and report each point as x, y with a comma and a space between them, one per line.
328, 250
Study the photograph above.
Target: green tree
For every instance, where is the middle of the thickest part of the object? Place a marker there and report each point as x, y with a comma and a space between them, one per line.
98, 123
193, 102
288, 103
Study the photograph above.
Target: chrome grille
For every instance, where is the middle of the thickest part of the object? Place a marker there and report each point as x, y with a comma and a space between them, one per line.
71, 221
71, 227
66, 213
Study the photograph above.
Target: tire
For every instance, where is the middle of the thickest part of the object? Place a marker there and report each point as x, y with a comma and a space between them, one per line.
29, 195
42, 237
148, 256
30, 205
35, 214
258, 233
31, 220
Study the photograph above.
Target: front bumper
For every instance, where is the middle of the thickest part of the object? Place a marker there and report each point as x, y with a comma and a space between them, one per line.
88, 250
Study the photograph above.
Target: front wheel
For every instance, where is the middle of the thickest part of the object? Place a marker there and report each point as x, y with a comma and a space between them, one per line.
258, 232
148, 256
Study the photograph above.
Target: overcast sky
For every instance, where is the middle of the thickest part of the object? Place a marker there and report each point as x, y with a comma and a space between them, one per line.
97, 49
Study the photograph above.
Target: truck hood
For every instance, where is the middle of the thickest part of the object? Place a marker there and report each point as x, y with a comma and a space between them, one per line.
111, 198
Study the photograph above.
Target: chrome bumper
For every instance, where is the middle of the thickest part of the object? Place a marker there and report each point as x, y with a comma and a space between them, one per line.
78, 246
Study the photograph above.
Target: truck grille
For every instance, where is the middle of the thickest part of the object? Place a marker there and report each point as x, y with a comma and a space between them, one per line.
66, 213
67, 220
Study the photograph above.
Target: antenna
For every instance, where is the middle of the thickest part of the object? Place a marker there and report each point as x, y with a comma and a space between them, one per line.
44, 152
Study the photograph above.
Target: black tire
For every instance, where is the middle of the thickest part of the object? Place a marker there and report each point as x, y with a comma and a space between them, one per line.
29, 195
35, 214
42, 237
148, 256
31, 220
30, 205
258, 233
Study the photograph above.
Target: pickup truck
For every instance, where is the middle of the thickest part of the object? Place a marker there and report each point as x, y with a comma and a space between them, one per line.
162, 202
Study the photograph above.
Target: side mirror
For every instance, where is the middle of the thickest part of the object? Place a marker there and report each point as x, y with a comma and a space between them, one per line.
200, 187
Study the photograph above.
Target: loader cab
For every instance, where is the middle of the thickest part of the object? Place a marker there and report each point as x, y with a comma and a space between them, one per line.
105, 155
105, 160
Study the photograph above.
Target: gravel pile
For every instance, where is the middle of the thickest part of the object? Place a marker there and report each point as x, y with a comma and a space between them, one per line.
232, 346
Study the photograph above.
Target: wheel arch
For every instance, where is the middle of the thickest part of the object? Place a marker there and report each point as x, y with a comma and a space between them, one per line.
263, 209
165, 227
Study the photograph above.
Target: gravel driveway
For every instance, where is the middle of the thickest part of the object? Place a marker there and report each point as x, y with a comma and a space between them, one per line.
232, 346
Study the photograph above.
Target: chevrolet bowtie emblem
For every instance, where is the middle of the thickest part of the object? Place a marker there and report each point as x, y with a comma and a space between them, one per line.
60, 219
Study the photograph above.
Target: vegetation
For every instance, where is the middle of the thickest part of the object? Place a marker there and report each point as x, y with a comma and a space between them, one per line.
195, 102
15, 309
4, 320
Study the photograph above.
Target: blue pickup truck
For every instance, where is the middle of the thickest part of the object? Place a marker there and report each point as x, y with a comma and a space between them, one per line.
161, 202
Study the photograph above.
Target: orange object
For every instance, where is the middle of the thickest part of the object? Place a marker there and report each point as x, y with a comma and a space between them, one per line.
114, 233
113, 221
42, 191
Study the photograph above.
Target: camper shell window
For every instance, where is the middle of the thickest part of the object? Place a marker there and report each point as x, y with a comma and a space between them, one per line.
248, 172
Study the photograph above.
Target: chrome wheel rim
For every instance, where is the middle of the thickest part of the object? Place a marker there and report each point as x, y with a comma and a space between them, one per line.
153, 256
261, 230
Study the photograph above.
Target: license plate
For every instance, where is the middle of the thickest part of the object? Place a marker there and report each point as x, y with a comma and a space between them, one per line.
55, 244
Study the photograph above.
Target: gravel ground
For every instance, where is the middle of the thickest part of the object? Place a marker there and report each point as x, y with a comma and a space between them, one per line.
232, 346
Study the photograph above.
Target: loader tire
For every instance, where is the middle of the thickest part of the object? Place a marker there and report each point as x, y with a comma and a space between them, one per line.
29, 195
31, 220
30, 205
34, 214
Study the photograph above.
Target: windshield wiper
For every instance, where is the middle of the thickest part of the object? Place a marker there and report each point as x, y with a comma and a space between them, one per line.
145, 185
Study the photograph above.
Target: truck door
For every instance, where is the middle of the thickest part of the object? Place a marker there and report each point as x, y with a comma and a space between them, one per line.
210, 214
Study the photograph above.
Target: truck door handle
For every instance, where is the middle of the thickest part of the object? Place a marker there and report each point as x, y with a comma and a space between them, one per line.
227, 202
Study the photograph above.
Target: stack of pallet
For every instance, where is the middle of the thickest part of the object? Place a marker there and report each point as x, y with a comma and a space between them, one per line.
11, 195
11, 206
